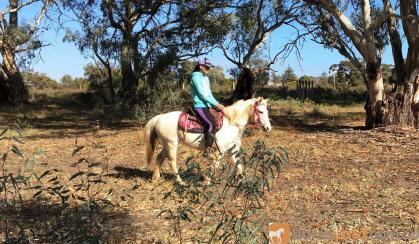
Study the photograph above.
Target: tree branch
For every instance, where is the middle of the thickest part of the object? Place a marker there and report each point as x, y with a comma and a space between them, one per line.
16, 9
108, 10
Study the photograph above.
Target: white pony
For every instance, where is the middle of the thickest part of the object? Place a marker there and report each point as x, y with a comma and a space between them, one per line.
164, 128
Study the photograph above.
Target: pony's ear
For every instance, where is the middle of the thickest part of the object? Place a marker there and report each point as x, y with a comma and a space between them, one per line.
259, 100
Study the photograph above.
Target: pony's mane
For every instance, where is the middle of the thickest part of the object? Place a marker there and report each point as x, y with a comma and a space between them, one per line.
233, 110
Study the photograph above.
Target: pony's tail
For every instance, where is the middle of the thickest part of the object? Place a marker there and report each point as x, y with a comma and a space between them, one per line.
150, 138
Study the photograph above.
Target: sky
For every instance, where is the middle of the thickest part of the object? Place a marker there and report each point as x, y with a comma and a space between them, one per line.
59, 58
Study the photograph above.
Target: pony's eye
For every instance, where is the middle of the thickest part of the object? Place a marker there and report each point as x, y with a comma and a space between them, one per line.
260, 111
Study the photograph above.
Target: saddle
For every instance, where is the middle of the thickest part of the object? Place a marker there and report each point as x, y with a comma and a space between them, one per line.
190, 123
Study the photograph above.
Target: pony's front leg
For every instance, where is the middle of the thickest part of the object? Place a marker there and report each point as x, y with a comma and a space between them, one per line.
215, 165
216, 161
235, 158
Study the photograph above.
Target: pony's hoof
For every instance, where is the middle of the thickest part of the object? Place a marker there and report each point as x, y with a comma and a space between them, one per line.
182, 183
155, 179
207, 180
215, 167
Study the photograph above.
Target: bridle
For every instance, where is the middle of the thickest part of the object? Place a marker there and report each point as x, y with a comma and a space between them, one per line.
256, 116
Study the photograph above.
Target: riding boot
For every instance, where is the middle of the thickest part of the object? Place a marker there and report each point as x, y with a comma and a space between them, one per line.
209, 139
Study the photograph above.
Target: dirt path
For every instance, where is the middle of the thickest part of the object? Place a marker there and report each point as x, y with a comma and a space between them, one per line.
341, 183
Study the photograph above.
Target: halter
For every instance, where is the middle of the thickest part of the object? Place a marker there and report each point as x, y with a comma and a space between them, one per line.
256, 118
256, 115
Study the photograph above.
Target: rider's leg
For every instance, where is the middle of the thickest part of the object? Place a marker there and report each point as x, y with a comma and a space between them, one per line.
209, 139
209, 128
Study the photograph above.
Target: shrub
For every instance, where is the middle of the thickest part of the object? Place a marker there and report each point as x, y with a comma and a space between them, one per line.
163, 99
232, 207
42, 206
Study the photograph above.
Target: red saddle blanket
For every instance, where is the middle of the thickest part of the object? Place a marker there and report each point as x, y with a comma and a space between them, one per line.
189, 123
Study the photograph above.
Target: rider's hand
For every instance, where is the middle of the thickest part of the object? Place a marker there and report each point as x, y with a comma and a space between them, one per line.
220, 107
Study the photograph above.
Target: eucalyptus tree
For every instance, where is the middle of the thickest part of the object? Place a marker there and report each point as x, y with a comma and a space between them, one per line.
359, 31
253, 22
18, 43
95, 39
405, 108
150, 36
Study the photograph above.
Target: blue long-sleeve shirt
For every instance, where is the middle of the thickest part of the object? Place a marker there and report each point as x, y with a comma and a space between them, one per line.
201, 91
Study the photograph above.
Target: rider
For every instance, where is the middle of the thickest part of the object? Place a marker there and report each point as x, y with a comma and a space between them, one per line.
204, 100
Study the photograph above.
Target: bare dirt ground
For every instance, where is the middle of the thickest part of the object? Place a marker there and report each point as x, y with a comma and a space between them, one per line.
342, 182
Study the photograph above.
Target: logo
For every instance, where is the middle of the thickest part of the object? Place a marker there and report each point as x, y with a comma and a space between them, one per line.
279, 233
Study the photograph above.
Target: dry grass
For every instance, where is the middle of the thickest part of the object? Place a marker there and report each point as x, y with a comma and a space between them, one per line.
343, 183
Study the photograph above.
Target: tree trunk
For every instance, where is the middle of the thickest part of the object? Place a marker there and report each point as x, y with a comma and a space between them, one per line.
245, 86
374, 106
109, 81
4, 92
129, 82
402, 108
398, 108
13, 86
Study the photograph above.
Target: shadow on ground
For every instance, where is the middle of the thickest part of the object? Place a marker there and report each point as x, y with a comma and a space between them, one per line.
130, 173
40, 221
64, 115
312, 122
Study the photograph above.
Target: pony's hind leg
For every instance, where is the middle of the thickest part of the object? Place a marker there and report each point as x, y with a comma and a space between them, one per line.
159, 161
171, 148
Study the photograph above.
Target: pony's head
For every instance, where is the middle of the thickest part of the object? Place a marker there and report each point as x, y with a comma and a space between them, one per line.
254, 110
259, 114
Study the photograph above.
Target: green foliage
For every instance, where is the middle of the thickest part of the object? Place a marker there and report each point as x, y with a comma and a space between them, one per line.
381, 37
288, 76
68, 81
231, 208
145, 44
305, 78
165, 98
251, 22
38, 80
345, 74
97, 81
320, 94
216, 74
40, 205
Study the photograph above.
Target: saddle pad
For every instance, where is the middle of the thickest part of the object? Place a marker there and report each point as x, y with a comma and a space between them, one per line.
191, 124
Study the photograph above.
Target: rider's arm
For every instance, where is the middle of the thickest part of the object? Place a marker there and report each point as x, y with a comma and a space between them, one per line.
197, 83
